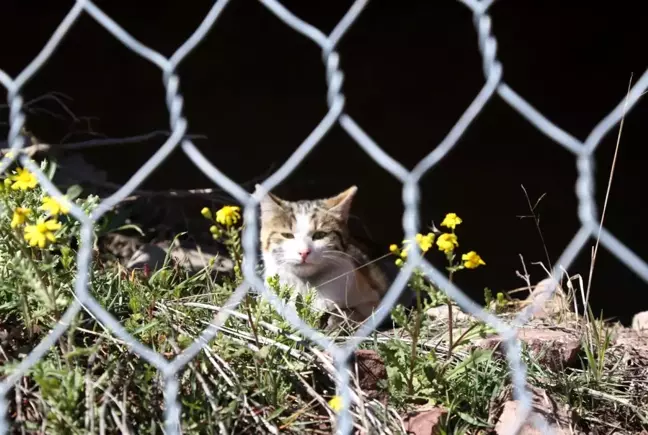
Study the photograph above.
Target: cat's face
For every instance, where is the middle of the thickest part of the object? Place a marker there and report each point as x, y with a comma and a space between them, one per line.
304, 237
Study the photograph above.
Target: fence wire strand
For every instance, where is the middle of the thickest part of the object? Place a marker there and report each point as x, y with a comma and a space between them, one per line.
494, 85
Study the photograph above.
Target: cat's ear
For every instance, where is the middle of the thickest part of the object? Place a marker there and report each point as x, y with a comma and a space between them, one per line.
270, 204
341, 203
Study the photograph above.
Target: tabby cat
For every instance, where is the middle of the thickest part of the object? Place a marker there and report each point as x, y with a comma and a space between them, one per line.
307, 244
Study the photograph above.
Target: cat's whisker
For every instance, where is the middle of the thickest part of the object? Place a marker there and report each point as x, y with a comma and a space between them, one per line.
356, 269
336, 260
341, 261
328, 254
340, 253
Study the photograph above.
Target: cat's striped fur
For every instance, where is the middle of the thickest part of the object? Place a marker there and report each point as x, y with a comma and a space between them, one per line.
307, 243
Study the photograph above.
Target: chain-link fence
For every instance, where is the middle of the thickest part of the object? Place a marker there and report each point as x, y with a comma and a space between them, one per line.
583, 151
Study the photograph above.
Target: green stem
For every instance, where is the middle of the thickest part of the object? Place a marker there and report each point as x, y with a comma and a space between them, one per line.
30, 260
415, 336
450, 326
236, 253
25, 307
255, 333
24, 301
39, 276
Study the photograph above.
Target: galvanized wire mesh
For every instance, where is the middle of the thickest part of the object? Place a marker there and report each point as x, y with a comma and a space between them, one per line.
583, 151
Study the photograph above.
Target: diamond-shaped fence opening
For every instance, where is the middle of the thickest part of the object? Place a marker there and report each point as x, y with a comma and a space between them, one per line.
493, 87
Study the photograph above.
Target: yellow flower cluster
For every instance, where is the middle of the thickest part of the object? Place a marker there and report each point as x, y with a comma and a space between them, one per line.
23, 180
446, 242
335, 403
472, 260
43, 230
227, 216
451, 221
53, 206
424, 242
40, 233
19, 216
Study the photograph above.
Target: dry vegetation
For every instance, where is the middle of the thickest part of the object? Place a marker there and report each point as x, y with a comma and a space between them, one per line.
259, 375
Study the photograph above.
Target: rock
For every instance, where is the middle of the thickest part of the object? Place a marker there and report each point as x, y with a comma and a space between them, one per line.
425, 420
196, 260
441, 313
154, 255
554, 349
634, 345
371, 370
551, 418
508, 420
121, 246
547, 304
640, 322
149, 255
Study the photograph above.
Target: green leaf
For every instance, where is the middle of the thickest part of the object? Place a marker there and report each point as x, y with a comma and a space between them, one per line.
477, 357
263, 352
276, 413
472, 420
130, 227
145, 328
73, 192
51, 170
80, 351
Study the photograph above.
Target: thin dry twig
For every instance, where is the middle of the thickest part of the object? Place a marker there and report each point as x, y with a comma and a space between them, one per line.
199, 377
19, 413
526, 277
314, 394
607, 196
38, 146
55, 96
102, 411
89, 422
120, 424
536, 220
239, 315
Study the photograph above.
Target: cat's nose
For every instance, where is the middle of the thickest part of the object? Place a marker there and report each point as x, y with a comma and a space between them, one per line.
304, 253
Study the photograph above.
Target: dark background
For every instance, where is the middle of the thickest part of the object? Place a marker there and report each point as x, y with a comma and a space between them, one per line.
256, 89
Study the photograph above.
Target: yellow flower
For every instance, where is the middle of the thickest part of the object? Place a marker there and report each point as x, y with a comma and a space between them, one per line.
472, 260
40, 233
206, 212
23, 180
447, 242
53, 206
425, 242
336, 403
19, 215
399, 262
393, 248
228, 215
451, 221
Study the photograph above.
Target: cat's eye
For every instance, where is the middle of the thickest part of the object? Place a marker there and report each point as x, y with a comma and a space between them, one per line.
317, 235
287, 235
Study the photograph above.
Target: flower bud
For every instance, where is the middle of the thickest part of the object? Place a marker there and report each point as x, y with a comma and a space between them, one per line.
206, 212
